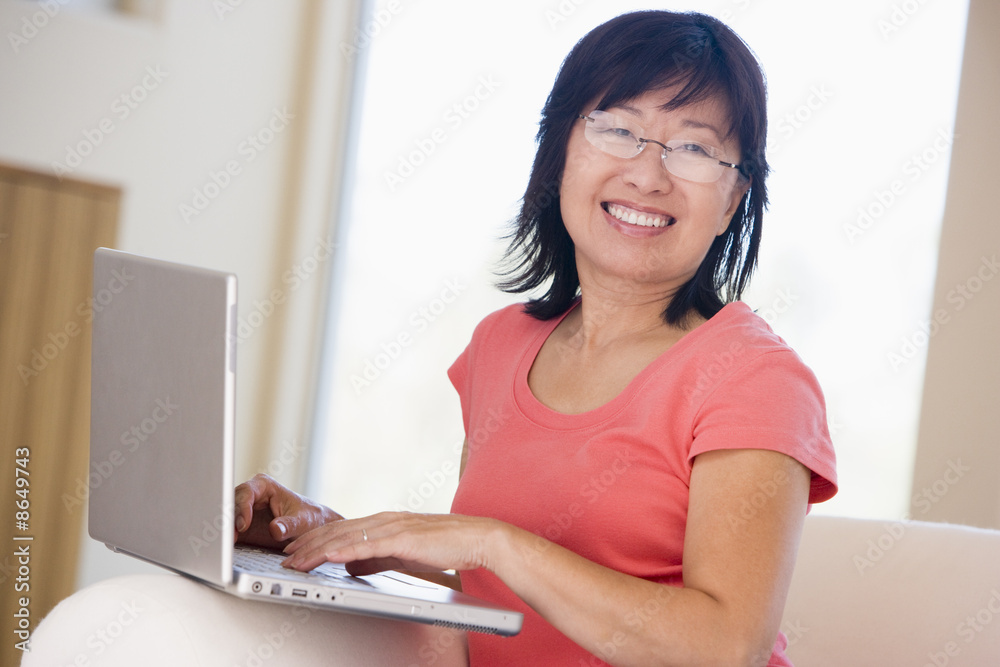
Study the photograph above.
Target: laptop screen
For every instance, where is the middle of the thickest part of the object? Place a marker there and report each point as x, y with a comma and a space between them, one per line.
162, 413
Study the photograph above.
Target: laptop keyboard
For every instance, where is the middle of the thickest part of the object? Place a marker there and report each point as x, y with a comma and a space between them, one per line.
261, 561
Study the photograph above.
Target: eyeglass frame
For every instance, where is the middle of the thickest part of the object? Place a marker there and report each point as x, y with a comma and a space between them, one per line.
663, 155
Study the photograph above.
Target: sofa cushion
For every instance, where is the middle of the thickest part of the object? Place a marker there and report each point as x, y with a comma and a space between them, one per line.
894, 593
165, 619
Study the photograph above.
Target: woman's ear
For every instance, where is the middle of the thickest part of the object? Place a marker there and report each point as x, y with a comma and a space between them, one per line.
740, 189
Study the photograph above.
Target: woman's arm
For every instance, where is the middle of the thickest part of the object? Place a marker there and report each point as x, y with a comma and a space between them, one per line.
744, 520
737, 567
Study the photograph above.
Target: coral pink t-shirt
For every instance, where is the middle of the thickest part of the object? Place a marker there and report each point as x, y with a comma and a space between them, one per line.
611, 484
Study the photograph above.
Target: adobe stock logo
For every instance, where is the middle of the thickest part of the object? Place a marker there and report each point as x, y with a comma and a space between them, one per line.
797, 118
363, 37
121, 108
38, 21
248, 150
561, 12
293, 278
420, 320
900, 15
883, 199
139, 435
913, 345
59, 340
454, 118
923, 501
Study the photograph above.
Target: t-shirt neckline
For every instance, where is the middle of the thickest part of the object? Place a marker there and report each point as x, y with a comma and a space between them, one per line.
543, 415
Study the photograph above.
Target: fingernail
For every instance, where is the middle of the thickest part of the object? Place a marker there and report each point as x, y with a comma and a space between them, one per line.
281, 529
241, 523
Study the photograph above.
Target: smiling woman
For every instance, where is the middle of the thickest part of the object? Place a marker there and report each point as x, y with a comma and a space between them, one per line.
615, 475
632, 311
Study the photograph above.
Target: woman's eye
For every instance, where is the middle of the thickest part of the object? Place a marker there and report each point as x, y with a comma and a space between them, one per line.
617, 132
695, 149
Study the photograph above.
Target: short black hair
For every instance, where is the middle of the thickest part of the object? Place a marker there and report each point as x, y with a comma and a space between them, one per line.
617, 62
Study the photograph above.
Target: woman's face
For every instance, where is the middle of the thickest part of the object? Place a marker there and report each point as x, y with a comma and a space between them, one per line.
603, 197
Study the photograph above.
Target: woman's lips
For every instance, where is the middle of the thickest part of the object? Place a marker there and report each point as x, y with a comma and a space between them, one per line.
638, 218
635, 222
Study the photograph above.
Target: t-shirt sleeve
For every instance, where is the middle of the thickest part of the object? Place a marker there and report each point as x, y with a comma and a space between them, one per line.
458, 373
774, 402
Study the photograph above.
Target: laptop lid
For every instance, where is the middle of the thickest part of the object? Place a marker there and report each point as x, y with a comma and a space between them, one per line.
162, 413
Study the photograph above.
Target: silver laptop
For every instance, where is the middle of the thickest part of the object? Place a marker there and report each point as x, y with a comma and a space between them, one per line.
162, 447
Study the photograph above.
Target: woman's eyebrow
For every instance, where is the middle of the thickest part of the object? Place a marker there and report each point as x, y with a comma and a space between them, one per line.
700, 125
629, 109
687, 122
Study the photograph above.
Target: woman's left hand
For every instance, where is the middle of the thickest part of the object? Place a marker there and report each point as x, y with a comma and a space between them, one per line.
397, 540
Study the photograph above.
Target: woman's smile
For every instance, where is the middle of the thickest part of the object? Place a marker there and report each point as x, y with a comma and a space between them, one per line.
636, 222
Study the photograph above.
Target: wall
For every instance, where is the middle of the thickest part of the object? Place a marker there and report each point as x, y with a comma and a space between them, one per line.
222, 123
958, 452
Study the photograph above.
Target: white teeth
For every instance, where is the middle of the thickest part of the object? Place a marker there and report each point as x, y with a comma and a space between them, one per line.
639, 219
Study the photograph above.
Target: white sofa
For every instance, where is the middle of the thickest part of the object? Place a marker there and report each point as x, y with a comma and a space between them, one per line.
160, 620
884, 593
864, 593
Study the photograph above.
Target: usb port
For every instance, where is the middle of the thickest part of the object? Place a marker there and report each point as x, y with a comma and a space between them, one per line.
299, 592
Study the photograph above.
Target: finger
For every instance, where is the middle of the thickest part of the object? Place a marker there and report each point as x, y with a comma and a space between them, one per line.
344, 530
278, 530
360, 568
262, 487
290, 527
308, 559
329, 544
243, 506
253, 494
326, 536
346, 541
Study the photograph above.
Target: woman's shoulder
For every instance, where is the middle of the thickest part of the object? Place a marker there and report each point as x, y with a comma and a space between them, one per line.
738, 326
509, 313
734, 341
510, 321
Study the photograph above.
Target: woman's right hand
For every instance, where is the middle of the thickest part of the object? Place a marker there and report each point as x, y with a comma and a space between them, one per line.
269, 515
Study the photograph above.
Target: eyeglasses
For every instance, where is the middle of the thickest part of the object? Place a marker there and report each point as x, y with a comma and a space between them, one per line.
690, 160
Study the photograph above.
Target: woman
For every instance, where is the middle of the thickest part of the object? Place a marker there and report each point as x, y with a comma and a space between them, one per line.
641, 449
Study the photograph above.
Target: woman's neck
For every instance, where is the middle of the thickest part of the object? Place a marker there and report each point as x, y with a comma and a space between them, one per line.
606, 318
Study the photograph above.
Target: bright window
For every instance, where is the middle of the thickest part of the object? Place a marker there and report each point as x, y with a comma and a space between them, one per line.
862, 99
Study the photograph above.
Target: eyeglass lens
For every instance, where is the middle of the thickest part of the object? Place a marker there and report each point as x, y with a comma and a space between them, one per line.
687, 159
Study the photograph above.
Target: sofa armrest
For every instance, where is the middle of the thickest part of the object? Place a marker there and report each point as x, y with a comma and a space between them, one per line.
165, 619
869, 593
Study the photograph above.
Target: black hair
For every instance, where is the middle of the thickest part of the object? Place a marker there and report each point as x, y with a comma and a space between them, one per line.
618, 62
